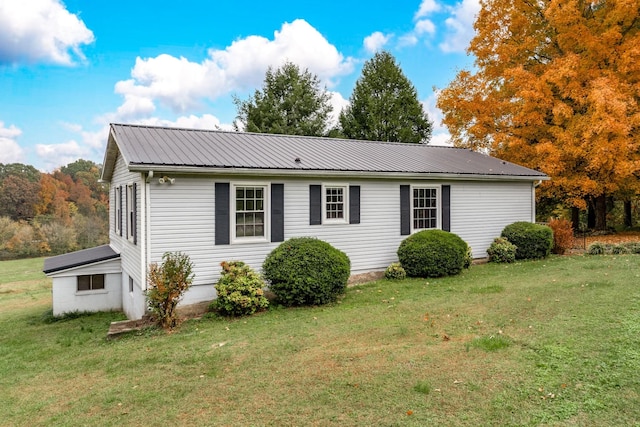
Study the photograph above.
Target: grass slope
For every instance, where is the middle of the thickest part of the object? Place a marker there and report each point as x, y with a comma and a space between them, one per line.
553, 342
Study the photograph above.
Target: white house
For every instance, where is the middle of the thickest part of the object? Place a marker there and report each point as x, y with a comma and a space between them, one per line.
235, 196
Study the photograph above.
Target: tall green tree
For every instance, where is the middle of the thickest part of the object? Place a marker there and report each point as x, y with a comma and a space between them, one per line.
384, 105
291, 102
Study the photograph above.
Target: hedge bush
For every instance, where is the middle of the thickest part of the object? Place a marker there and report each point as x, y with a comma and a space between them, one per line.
533, 241
433, 253
501, 250
240, 290
306, 271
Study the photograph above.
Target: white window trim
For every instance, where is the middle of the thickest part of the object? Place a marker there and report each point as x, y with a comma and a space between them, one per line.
129, 211
345, 201
438, 188
267, 213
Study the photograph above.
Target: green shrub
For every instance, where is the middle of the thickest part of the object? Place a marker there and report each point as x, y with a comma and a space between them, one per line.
502, 250
432, 253
306, 271
619, 250
632, 247
395, 272
597, 248
167, 283
533, 241
468, 258
240, 290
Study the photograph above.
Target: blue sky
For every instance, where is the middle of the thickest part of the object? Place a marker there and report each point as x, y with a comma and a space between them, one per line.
69, 69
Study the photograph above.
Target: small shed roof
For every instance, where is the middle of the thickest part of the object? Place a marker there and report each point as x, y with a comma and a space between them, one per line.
79, 258
146, 148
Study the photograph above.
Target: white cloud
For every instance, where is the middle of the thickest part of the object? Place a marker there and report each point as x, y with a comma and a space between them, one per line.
427, 7
338, 103
182, 85
460, 26
375, 41
10, 150
40, 31
206, 121
440, 134
55, 155
425, 26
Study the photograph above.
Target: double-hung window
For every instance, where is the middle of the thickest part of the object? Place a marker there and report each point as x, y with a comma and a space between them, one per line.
425, 209
250, 216
335, 204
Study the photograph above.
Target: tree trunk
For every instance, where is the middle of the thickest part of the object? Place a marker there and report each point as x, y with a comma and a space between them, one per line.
628, 218
601, 212
591, 214
575, 219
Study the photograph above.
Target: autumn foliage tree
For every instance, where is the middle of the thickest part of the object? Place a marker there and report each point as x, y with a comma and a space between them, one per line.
556, 87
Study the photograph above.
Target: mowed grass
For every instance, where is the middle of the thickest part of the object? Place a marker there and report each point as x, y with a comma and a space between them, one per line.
553, 342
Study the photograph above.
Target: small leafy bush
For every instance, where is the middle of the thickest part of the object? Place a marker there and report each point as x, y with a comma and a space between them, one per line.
167, 284
502, 250
619, 250
306, 271
562, 235
240, 290
533, 241
632, 247
432, 253
596, 248
395, 272
468, 258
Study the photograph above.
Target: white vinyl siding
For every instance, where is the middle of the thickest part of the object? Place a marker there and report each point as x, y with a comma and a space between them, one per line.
182, 218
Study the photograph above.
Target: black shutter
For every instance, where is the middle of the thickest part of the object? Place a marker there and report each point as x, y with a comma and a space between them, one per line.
354, 204
405, 210
277, 212
315, 204
222, 213
446, 207
120, 210
134, 219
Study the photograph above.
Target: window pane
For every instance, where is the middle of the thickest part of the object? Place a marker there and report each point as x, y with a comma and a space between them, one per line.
249, 192
97, 281
240, 193
84, 283
250, 205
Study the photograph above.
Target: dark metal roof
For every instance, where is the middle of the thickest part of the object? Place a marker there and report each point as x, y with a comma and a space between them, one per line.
79, 258
146, 148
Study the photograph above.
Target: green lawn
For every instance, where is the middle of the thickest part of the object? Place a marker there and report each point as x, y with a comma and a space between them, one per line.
553, 342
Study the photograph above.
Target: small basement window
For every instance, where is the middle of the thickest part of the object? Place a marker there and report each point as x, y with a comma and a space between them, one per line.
90, 282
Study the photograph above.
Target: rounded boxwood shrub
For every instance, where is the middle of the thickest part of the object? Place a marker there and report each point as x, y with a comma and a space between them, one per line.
533, 241
501, 250
433, 253
306, 271
240, 290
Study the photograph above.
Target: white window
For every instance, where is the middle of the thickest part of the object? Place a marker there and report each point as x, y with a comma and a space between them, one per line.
130, 213
425, 212
250, 212
335, 204
90, 282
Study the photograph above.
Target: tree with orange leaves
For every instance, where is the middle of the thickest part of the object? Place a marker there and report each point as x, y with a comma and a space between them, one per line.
556, 87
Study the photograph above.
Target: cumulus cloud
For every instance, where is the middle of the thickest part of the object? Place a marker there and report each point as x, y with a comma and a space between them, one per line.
55, 155
440, 134
206, 121
41, 31
10, 150
375, 41
427, 7
459, 26
338, 103
182, 85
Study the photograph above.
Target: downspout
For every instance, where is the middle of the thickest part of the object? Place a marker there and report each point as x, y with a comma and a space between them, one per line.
534, 185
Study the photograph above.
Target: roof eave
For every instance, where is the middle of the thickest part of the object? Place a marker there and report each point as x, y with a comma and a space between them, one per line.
324, 173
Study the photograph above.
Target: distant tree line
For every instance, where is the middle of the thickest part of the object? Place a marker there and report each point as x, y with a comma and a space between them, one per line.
51, 213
